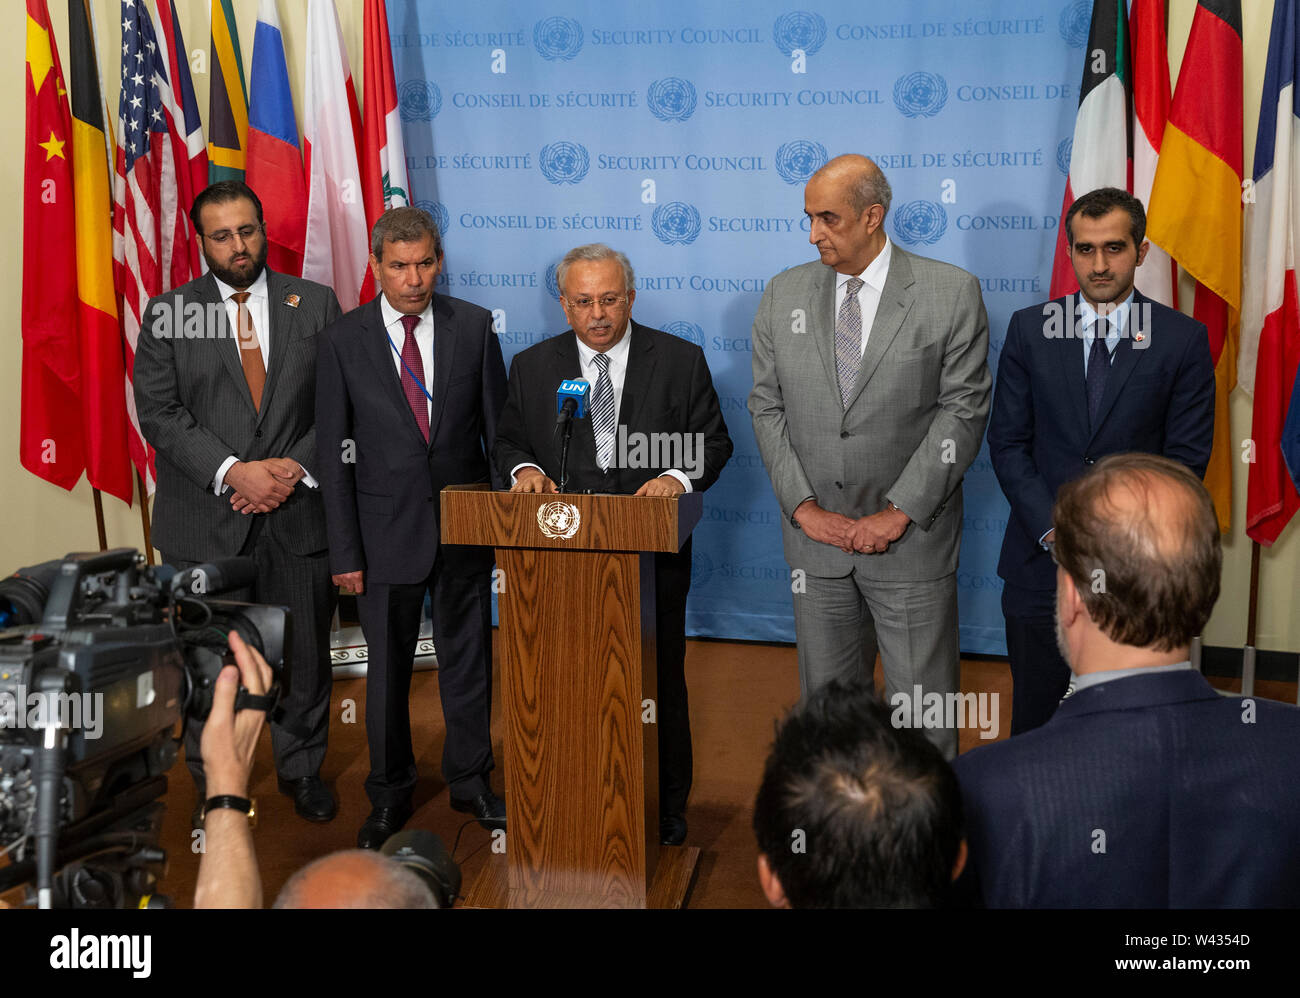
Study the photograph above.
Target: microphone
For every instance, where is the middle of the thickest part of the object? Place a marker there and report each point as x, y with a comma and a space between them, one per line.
571, 401
217, 576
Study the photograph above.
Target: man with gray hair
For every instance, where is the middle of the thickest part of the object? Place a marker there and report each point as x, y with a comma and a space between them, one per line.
871, 391
355, 878
647, 385
409, 388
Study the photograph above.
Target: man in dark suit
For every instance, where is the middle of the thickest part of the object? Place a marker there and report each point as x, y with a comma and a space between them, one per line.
1147, 788
231, 417
1067, 397
408, 393
643, 382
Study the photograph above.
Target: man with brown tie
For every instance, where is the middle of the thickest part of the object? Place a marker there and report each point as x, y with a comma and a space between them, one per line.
225, 383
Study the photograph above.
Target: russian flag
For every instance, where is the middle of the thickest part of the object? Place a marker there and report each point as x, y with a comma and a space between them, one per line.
274, 164
1270, 321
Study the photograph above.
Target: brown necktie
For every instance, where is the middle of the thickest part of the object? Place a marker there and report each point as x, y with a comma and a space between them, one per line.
250, 351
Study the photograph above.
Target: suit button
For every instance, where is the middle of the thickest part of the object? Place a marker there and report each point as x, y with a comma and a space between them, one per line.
428, 498
839, 485
258, 433
1088, 460
845, 435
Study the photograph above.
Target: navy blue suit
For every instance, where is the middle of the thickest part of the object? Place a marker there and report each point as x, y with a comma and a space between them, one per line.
1146, 792
1159, 399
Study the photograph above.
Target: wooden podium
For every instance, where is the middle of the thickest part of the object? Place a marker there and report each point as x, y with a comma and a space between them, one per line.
576, 599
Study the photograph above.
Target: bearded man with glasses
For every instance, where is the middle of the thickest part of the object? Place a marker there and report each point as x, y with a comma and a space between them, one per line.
644, 382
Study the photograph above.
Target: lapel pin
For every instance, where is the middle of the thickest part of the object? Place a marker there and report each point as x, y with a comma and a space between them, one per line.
1139, 337
292, 300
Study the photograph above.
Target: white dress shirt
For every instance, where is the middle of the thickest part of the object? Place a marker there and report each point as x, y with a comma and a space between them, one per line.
873, 283
617, 355
423, 340
258, 305
1088, 324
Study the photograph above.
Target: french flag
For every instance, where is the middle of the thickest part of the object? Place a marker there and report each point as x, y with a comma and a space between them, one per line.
1270, 320
274, 164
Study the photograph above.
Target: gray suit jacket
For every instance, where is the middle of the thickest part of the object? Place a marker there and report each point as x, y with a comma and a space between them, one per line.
196, 410
912, 428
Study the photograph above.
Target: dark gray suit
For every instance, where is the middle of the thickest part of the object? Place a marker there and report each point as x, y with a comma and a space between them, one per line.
196, 410
912, 427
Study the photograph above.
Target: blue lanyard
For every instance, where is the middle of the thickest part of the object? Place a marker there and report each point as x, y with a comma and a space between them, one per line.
408, 370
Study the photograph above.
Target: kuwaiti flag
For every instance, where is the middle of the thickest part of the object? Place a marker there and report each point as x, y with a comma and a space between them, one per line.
1157, 278
383, 157
1099, 156
273, 166
1270, 319
337, 246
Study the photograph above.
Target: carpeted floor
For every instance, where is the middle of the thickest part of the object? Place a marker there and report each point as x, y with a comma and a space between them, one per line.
737, 693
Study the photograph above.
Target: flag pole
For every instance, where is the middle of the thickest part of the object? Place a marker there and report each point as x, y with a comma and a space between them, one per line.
1252, 618
99, 518
144, 518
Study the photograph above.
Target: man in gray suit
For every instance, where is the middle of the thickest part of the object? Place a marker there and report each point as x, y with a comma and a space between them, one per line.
871, 391
225, 387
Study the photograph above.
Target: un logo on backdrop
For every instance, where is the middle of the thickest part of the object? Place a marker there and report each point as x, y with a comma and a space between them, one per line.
419, 100
1064, 150
564, 162
798, 160
687, 331
701, 567
920, 222
439, 212
920, 94
557, 38
676, 223
800, 29
552, 282
671, 99
1075, 22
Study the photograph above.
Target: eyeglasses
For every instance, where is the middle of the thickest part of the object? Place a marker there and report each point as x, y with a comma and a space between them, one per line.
245, 232
606, 301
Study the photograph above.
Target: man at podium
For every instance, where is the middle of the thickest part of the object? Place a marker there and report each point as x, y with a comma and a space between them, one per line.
649, 425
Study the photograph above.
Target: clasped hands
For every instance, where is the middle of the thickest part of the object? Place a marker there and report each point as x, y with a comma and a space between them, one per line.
533, 480
261, 486
869, 534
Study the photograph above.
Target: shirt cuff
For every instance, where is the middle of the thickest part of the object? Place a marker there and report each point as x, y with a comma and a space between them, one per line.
681, 477
307, 480
514, 472
219, 483
1042, 541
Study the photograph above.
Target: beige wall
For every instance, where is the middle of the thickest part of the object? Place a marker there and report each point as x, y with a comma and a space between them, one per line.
42, 521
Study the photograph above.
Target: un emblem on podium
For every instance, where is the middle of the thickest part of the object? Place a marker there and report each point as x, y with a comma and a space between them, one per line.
920, 94
920, 222
671, 99
438, 211
558, 520
564, 162
419, 100
800, 29
798, 160
676, 223
557, 38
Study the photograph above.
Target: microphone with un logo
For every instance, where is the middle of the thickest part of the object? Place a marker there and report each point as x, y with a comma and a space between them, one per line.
571, 401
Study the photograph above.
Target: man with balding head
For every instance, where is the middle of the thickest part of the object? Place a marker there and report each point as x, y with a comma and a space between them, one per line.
1146, 788
871, 391
355, 878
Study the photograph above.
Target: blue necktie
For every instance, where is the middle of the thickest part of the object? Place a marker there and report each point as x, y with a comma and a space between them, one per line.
1098, 370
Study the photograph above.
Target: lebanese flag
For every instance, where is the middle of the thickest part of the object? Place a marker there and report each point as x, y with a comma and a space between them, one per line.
337, 245
383, 157
184, 110
274, 165
1270, 320
1196, 207
1099, 156
1157, 278
50, 441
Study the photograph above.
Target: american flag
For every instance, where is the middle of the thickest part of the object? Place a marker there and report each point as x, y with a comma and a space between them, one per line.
151, 232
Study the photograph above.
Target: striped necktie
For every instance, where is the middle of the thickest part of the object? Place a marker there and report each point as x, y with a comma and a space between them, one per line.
602, 413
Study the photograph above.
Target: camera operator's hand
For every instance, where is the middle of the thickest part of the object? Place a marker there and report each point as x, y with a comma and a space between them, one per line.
263, 483
229, 739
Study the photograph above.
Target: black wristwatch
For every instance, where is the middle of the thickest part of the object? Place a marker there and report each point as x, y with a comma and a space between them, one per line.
245, 804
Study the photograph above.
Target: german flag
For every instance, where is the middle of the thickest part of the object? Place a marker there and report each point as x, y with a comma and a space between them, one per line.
1195, 211
227, 99
103, 372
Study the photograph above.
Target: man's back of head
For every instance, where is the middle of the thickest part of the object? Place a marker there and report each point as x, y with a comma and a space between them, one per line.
355, 878
854, 813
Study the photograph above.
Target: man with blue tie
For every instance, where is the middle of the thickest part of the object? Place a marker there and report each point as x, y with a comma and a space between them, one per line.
1078, 379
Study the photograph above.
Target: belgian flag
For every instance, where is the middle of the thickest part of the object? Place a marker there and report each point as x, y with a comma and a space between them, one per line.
227, 99
103, 374
1195, 211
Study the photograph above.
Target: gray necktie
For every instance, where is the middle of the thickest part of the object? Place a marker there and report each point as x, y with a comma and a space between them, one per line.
848, 341
602, 413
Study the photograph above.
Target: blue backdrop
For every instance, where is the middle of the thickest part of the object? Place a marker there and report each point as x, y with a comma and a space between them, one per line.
682, 135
